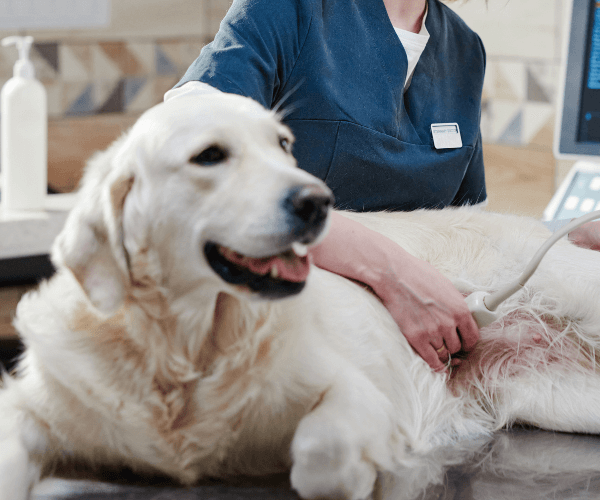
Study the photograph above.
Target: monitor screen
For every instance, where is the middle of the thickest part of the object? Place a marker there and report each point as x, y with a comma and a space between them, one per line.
579, 126
589, 109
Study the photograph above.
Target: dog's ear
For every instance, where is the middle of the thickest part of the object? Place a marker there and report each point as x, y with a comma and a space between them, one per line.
91, 243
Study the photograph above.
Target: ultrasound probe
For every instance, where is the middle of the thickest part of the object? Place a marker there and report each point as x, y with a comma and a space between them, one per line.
483, 305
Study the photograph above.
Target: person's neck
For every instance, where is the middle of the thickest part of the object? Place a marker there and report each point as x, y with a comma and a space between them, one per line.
406, 14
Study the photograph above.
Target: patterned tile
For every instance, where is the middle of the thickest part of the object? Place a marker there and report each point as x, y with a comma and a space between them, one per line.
546, 77
535, 91
103, 67
115, 103
161, 84
131, 75
49, 52
79, 98
144, 53
502, 115
83, 53
489, 82
54, 91
74, 65
503, 89
122, 57
216, 12
486, 120
144, 98
536, 115
7, 61
164, 64
102, 91
45, 67
513, 133
518, 101
544, 137
133, 85
179, 54
190, 51
510, 80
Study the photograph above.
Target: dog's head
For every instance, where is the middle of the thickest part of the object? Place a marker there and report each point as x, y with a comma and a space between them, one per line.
199, 191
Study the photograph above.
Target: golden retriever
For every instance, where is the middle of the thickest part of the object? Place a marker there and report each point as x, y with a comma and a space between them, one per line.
174, 338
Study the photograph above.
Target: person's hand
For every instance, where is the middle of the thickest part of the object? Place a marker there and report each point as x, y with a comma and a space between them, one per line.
428, 309
431, 313
587, 235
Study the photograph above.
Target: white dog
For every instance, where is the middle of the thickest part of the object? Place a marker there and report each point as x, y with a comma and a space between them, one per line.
159, 345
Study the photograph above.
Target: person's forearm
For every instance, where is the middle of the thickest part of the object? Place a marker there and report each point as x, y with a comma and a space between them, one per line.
427, 308
354, 251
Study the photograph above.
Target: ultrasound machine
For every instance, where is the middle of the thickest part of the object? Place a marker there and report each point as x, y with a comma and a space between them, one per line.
577, 135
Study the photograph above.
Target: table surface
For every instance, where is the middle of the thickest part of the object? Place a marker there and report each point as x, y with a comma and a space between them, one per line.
524, 464
26, 233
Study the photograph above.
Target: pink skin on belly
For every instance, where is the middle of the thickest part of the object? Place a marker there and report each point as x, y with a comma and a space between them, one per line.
516, 344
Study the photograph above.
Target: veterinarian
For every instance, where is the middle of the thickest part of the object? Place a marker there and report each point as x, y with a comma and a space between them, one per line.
384, 98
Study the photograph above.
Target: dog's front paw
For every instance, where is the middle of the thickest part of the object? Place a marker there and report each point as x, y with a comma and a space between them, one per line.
17, 473
327, 464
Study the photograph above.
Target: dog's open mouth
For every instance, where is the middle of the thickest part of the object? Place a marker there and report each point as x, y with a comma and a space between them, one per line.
276, 276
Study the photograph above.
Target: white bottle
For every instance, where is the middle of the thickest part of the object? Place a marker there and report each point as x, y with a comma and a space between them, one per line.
24, 136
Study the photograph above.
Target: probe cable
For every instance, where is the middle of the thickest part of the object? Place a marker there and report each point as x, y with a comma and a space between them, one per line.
483, 305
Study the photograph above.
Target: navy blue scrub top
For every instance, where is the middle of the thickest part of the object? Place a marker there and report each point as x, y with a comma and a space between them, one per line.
337, 69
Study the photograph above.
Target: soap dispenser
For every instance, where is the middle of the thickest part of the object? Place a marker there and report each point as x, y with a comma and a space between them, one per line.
24, 134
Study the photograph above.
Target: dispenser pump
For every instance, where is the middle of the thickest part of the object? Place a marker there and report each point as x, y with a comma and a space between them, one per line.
23, 67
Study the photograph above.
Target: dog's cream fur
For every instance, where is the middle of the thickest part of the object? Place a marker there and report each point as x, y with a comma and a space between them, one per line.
139, 354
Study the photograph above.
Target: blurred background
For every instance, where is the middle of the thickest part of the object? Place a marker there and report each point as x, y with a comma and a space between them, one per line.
104, 62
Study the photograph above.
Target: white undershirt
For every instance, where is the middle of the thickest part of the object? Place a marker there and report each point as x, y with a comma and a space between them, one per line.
414, 45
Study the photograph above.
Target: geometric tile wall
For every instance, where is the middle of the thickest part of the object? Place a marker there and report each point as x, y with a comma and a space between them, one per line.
130, 75
86, 78
518, 100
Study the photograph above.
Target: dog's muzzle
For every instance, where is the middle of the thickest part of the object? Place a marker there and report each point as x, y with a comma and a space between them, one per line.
307, 208
282, 274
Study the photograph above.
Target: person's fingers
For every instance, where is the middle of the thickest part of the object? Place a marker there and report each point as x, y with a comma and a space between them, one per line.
437, 341
468, 331
452, 340
442, 353
443, 356
430, 355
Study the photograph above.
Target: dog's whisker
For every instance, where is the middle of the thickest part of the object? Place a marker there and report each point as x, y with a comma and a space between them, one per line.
278, 109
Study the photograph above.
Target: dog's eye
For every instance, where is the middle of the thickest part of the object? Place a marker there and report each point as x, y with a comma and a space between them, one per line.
285, 144
210, 156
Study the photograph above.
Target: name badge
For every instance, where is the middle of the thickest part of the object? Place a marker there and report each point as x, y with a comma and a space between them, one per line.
446, 135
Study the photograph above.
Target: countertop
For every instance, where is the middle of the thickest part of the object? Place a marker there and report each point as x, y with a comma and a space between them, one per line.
524, 464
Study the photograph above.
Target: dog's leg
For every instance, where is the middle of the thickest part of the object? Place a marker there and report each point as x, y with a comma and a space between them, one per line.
342, 443
24, 447
554, 400
21, 444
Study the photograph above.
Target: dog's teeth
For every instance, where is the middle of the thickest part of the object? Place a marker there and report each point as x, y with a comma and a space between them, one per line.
226, 252
274, 271
299, 249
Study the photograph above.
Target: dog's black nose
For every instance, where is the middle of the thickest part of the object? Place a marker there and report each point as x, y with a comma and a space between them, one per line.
308, 207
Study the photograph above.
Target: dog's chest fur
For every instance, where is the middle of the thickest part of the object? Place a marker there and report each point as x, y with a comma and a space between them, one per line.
188, 407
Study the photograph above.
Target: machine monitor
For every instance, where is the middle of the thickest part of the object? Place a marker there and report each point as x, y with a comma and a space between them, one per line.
578, 124
579, 109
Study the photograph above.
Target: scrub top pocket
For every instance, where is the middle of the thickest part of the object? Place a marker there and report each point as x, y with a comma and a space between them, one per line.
370, 170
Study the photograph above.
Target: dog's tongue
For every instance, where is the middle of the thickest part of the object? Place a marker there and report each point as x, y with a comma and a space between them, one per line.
289, 267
